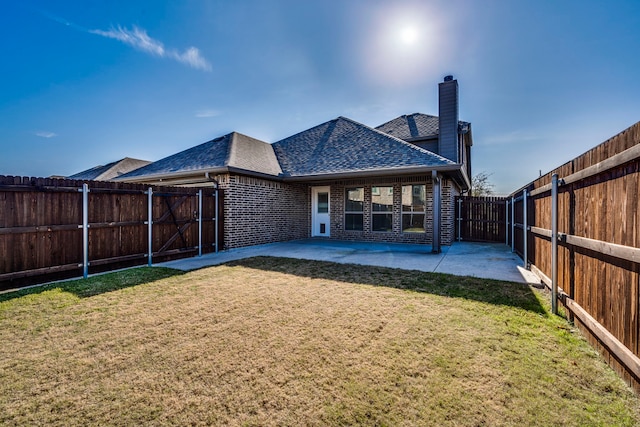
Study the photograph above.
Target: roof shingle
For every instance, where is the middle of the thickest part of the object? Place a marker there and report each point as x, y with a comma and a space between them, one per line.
110, 170
345, 146
231, 150
415, 126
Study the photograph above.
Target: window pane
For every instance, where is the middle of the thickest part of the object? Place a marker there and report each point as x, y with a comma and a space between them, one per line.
413, 198
382, 199
382, 222
354, 200
354, 222
413, 223
323, 202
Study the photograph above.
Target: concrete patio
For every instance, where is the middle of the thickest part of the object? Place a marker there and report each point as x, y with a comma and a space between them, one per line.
485, 260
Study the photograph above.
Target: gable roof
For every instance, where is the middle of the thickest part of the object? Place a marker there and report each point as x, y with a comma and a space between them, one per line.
416, 126
233, 150
344, 146
110, 170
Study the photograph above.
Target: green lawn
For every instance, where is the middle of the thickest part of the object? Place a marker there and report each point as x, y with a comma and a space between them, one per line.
273, 341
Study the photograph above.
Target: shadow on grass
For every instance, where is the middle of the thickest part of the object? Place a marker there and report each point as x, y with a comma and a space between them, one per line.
99, 284
483, 290
477, 289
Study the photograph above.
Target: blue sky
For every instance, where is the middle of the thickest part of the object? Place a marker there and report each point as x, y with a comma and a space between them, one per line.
87, 83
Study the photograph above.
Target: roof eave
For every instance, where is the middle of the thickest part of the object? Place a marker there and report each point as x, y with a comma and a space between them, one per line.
414, 170
172, 175
197, 173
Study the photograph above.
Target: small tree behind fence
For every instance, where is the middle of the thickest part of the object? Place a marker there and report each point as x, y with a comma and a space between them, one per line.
58, 228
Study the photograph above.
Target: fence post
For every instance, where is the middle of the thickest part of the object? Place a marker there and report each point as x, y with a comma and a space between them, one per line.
85, 230
513, 224
459, 219
150, 225
524, 228
506, 222
216, 218
200, 222
554, 243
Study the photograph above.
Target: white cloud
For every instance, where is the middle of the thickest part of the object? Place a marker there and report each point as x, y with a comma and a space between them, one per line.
45, 134
140, 40
207, 113
191, 57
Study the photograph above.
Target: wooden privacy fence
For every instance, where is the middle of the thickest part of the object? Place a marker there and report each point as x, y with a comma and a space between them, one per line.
481, 219
578, 228
56, 228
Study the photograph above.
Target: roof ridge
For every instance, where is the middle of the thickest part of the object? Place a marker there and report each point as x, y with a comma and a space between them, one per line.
402, 141
231, 151
232, 147
326, 136
413, 127
414, 147
306, 130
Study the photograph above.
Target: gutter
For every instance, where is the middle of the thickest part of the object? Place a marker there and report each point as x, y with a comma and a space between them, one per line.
206, 175
416, 170
171, 175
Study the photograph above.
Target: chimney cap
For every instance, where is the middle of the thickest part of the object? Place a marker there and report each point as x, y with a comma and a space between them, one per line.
448, 78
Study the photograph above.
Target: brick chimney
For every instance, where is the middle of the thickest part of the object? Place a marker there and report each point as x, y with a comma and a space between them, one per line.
448, 119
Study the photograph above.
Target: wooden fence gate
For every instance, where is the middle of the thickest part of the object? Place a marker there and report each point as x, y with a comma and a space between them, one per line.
57, 228
481, 219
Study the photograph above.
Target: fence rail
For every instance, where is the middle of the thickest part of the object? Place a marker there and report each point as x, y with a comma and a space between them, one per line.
57, 228
580, 233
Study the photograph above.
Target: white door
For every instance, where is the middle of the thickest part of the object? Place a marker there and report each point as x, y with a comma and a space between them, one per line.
320, 211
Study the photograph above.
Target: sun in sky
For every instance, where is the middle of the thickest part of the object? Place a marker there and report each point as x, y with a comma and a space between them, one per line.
400, 49
409, 35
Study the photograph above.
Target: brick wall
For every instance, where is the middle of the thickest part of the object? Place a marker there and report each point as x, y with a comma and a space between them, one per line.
448, 227
259, 211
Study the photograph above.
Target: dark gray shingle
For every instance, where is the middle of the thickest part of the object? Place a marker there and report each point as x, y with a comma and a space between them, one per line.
231, 150
110, 170
343, 146
411, 126
415, 126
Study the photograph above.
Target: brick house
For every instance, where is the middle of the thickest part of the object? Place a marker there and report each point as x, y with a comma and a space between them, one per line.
338, 180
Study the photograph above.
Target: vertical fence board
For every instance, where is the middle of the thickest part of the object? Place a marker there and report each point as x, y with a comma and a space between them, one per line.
483, 219
602, 207
40, 239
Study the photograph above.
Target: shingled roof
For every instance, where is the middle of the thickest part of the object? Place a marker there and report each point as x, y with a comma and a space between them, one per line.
343, 146
233, 150
416, 126
110, 170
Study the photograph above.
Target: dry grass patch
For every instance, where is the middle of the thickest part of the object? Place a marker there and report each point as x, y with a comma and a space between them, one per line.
271, 341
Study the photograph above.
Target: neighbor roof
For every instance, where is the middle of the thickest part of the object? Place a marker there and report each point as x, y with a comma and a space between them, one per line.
416, 126
110, 170
233, 150
343, 146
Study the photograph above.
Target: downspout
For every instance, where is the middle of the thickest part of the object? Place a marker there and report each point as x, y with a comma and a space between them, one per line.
210, 178
435, 245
